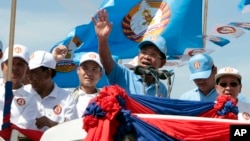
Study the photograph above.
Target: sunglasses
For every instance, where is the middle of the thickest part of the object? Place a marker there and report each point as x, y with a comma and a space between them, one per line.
231, 84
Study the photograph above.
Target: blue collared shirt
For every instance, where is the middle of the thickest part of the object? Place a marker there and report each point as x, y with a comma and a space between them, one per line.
132, 83
197, 95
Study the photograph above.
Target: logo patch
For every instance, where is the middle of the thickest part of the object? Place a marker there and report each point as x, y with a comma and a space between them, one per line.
20, 101
246, 115
57, 109
197, 65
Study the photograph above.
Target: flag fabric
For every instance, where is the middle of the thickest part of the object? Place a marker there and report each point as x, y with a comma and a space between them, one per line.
224, 30
113, 107
6, 125
243, 25
220, 41
135, 20
34, 135
244, 6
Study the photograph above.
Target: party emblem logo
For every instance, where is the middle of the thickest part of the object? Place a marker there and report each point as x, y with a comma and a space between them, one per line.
147, 18
197, 65
57, 109
20, 101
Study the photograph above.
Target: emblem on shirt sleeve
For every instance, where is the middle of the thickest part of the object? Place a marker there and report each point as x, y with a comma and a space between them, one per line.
246, 115
57, 109
20, 101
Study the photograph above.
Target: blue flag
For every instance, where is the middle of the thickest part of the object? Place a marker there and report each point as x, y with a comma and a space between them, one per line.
178, 21
244, 6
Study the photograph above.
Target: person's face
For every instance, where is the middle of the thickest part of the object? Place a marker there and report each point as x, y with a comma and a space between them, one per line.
228, 85
89, 73
150, 56
19, 70
38, 77
207, 84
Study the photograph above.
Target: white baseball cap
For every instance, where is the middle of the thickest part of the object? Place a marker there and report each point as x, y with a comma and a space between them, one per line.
19, 51
42, 58
91, 56
228, 71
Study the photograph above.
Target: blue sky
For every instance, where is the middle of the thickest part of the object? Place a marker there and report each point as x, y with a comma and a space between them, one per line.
42, 23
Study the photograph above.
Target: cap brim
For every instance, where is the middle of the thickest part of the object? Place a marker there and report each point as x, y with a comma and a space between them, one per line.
230, 74
200, 75
93, 61
142, 44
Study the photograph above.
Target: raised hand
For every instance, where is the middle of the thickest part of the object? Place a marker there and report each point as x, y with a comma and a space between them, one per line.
60, 52
102, 25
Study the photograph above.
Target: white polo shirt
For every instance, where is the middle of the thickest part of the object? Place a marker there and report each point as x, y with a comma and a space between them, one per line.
82, 100
23, 108
244, 111
58, 106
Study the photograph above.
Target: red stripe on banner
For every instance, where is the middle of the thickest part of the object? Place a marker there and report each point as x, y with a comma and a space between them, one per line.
192, 130
136, 107
5, 134
34, 135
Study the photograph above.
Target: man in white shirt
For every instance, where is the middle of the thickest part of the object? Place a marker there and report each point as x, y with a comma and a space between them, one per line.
23, 104
55, 105
89, 72
228, 82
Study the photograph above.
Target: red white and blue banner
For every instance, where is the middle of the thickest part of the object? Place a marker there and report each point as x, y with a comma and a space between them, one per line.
112, 115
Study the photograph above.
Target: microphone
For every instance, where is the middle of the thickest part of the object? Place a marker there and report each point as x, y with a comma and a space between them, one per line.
164, 74
139, 70
161, 74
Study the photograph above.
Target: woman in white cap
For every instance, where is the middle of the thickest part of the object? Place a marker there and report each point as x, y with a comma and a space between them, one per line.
228, 82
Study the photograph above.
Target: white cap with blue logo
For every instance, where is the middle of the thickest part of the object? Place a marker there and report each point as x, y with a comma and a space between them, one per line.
200, 66
157, 41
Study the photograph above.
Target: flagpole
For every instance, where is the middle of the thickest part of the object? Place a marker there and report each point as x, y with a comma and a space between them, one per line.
11, 38
6, 126
205, 23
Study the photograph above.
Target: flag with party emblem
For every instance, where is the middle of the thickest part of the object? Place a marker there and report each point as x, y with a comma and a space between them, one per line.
141, 18
243, 25
244, 6
220, 41
227, 31
132, 21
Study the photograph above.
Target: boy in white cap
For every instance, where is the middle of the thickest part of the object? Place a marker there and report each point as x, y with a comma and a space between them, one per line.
89, 72
55, 105
228, 82
202, 72
23, 104
152, 53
